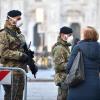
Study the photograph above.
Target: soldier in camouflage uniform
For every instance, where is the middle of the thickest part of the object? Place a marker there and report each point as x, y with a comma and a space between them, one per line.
12, 54
60, 53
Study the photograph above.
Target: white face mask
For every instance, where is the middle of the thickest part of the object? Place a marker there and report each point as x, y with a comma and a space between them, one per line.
70, 39
19, 23
64, 37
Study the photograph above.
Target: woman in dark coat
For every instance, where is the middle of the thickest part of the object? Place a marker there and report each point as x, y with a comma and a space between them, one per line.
90, 88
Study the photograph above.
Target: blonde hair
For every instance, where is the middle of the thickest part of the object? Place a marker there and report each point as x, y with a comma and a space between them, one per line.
90, 33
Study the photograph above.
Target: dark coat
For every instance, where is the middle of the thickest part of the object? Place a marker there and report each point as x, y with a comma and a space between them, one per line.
90, 88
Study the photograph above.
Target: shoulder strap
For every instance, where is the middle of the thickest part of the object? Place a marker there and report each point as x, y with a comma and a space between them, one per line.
13, 34
56, 44
1, 30
10, 32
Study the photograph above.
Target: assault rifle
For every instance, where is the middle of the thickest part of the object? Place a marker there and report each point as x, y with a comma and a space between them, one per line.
31, 62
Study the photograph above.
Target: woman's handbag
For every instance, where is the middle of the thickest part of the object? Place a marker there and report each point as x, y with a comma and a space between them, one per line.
76, 73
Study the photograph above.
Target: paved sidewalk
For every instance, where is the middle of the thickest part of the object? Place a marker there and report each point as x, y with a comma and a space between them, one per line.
41, 91
38, 91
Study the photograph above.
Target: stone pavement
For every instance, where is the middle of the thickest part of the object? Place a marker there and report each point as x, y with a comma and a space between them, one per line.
38, 91
43, 87
41, 91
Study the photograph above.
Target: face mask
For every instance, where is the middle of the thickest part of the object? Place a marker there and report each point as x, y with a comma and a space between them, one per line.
65, 37
19, 23
70, 39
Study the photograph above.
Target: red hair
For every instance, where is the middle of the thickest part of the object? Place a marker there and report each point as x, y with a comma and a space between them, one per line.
90, 33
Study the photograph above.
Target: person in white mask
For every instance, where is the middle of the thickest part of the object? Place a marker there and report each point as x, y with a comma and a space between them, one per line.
60, 54
12, 54
15, 20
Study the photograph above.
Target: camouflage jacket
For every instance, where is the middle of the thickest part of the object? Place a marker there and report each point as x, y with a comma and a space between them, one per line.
60, 53
11, 41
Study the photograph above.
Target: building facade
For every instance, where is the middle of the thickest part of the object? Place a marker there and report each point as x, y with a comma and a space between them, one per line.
43, 18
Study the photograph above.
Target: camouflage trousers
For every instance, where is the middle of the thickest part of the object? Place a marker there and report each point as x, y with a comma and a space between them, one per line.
62, 94
15, 90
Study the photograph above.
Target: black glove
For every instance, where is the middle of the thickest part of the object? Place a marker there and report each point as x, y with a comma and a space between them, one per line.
24, 58
30, 53
59, 84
